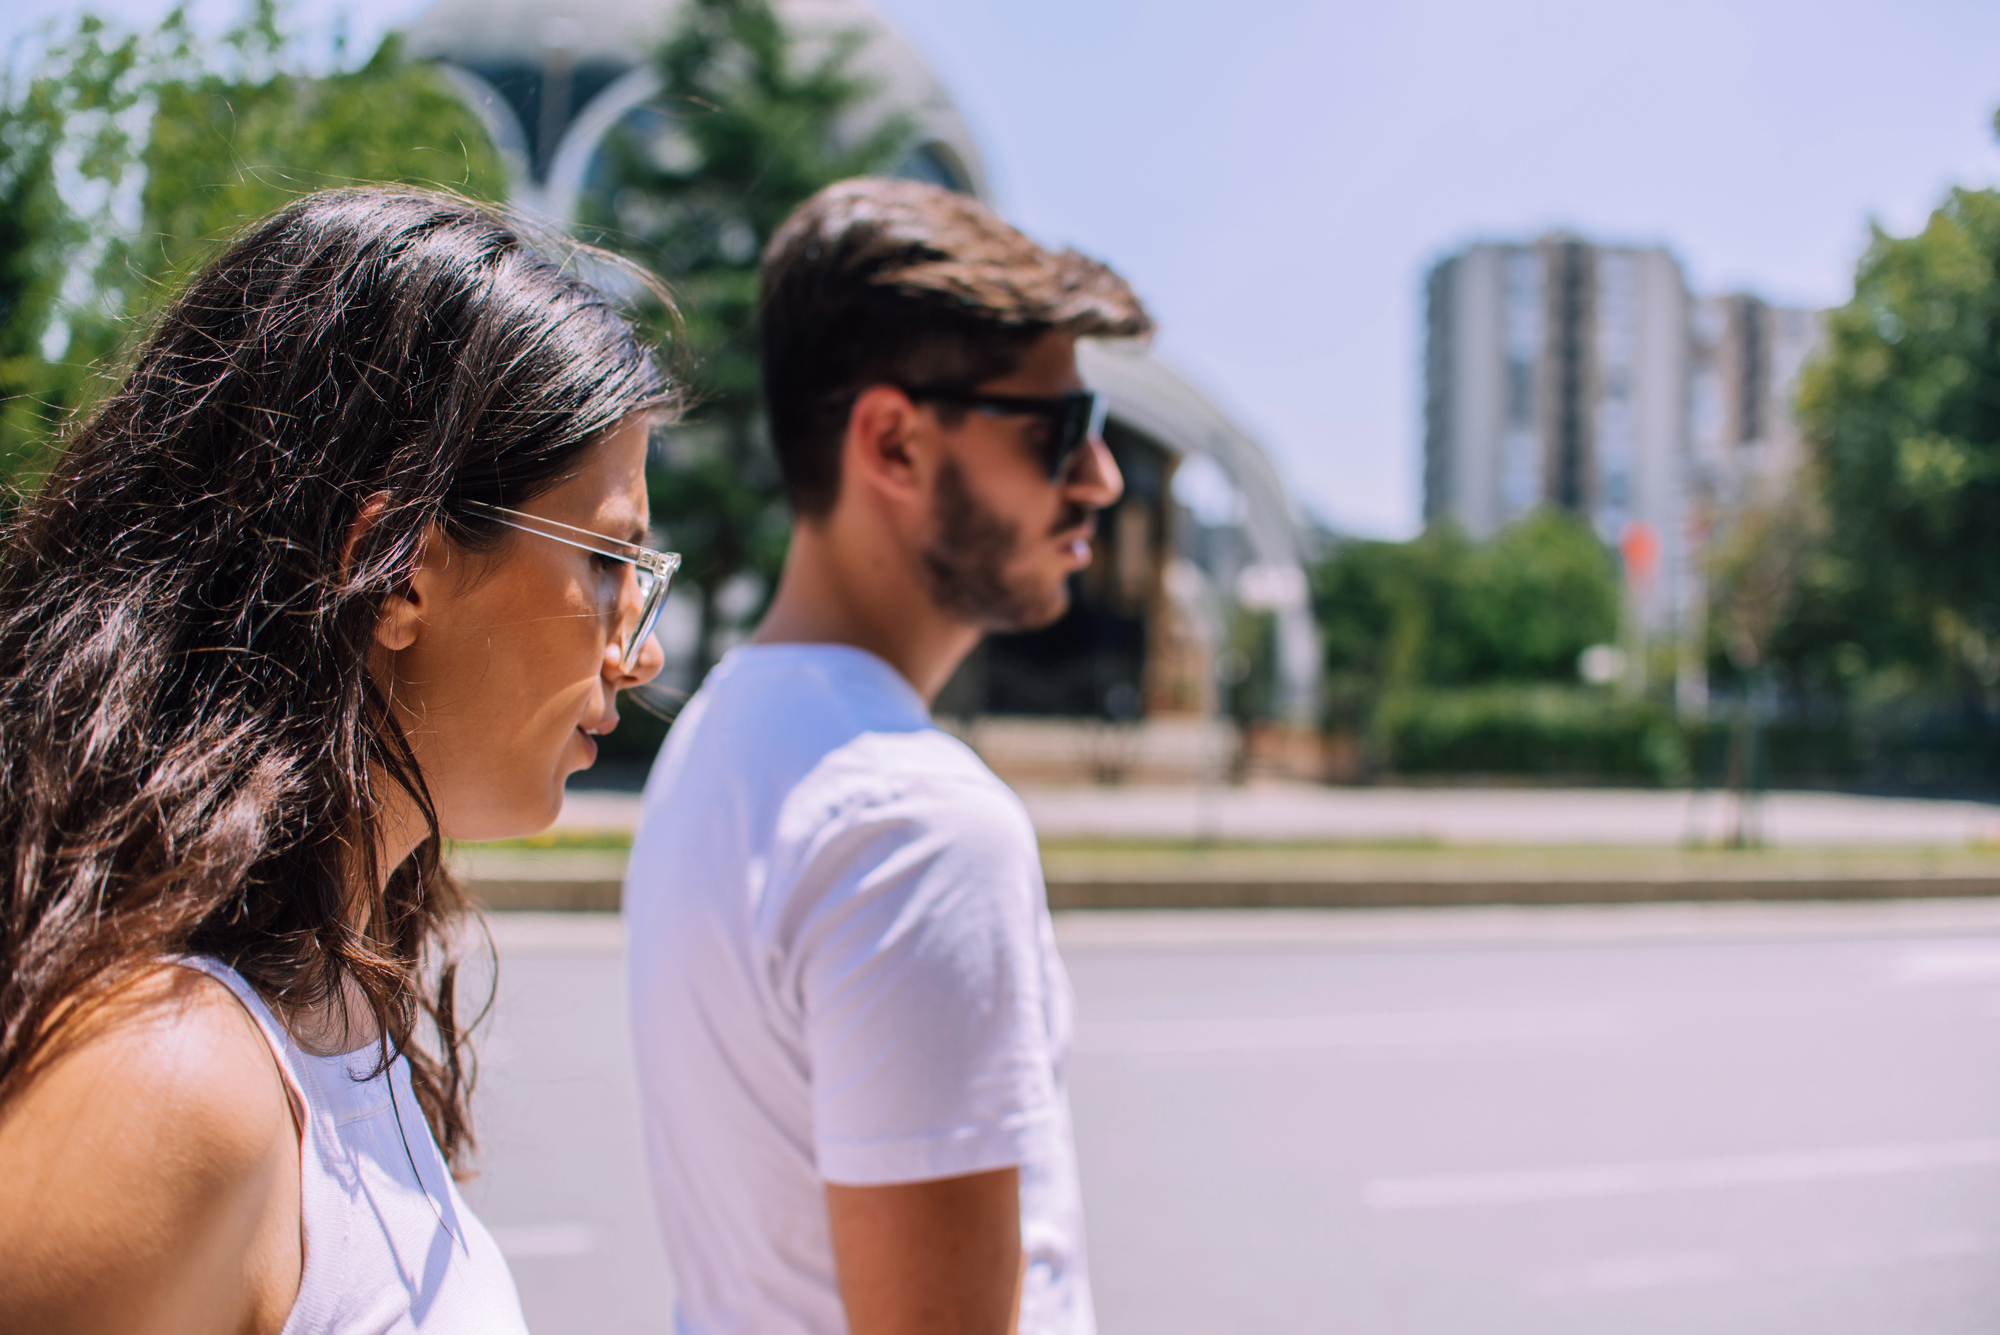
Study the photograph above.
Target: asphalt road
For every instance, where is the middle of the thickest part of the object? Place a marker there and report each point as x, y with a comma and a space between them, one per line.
1643, 1119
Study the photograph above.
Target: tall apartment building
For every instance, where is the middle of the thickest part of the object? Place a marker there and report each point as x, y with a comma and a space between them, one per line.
1746, 357
1583, 376
1556, 373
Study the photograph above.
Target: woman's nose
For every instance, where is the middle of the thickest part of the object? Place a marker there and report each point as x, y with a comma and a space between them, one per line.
646, 660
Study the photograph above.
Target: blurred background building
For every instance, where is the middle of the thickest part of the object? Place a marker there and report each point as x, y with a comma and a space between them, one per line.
559, 84
1582, 376
1556, 373
551, 80
1746, 357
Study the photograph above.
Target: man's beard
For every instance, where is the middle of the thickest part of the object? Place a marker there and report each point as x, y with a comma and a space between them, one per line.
966, 562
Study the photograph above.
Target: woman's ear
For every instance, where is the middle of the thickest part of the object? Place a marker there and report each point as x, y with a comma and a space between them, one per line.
403, 610
364, 519
401, 615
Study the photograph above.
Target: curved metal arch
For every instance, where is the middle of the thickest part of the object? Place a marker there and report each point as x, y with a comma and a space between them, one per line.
899, 69
1150, 397
569, 166
496, 116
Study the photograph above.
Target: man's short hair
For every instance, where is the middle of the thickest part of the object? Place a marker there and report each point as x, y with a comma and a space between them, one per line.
875, 281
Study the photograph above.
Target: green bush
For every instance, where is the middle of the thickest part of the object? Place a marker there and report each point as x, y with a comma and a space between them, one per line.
1913, 747
1554, 732
1443, 610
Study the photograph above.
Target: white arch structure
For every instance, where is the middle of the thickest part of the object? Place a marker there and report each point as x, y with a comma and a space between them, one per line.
621, 33
1150, 397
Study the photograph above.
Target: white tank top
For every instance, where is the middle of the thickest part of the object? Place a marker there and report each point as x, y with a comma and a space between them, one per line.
389, 1243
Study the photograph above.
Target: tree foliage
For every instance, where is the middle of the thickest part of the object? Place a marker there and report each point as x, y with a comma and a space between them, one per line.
1442, 610
1903, 409
751, 119
125, 159
65, 119
226, 150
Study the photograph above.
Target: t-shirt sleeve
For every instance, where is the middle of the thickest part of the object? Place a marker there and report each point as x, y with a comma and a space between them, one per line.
919, 976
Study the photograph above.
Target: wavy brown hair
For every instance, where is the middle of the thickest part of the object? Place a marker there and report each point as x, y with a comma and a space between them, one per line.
193, 751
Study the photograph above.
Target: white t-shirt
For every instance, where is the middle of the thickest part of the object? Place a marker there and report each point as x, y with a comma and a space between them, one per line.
842, 969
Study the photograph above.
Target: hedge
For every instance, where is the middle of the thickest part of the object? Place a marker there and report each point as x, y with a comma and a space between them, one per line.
1555, 732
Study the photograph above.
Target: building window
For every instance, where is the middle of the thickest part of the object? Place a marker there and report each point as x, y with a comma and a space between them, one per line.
1522, 302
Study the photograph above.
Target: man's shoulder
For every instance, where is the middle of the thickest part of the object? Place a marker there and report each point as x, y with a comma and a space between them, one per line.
904, 838
790, 704
781, 752
896, 813
925, 778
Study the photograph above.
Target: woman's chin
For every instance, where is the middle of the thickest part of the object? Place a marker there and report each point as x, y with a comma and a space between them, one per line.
529, 815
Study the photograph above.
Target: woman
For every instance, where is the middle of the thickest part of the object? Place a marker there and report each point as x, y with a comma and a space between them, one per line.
345, 568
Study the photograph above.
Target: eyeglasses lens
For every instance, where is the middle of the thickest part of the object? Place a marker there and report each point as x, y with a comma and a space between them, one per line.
652, 596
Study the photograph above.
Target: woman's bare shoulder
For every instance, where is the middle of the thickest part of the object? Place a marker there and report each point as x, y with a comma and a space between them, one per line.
149, 1171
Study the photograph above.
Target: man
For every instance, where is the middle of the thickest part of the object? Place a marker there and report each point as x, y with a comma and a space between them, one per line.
849, 1016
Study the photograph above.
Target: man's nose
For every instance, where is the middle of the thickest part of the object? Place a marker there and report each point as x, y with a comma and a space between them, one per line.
1094, 479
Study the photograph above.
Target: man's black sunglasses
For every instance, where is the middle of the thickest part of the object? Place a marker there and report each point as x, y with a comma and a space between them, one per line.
1071, 418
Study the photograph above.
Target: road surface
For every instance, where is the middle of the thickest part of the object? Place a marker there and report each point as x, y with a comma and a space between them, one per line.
1776, 1119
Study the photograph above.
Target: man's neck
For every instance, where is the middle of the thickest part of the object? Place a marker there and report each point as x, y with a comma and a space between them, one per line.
864, 594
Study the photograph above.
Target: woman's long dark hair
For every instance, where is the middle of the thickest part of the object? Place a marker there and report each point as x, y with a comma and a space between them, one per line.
192, 748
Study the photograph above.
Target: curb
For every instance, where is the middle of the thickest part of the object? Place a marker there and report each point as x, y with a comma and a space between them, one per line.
505, 895
544, 895
1272, 894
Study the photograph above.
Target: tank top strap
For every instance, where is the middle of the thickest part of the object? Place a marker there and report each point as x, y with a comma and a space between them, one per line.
283, 1049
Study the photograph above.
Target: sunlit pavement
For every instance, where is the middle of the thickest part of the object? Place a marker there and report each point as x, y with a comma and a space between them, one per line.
1671, 1118
1534, 816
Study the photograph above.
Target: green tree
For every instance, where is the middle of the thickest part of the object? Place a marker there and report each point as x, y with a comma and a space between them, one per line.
33, 224
1536, 596
1903, 409
1442, 610
124, 160
225, 150
1446, 655
67, 116
1383, 608
751, 120
1757, 565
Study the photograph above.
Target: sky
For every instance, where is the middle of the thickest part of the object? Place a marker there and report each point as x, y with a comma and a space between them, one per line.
1275, 176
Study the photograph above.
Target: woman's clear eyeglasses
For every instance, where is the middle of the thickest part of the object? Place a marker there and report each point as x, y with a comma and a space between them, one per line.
651, 570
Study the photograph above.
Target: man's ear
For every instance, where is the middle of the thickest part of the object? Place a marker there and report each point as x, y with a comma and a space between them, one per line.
883, 449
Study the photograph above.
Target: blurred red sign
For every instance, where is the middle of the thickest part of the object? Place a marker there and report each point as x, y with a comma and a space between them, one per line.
1641, 551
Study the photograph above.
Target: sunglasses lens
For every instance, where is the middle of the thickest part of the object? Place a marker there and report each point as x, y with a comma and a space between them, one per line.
1081, 419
